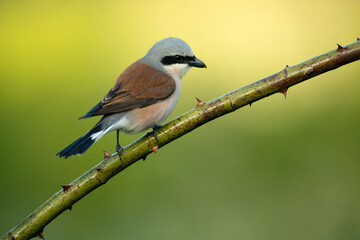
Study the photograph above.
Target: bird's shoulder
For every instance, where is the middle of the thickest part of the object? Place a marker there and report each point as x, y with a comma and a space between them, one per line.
142, 80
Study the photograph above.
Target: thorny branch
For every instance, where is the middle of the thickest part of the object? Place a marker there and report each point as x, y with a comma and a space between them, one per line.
34, 224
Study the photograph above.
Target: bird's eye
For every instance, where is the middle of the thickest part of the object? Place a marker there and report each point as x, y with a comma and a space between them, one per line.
178, 57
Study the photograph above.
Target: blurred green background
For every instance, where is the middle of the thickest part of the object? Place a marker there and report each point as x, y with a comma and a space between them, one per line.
282, 169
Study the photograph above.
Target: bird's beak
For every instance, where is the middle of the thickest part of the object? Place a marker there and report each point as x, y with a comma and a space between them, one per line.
197, 63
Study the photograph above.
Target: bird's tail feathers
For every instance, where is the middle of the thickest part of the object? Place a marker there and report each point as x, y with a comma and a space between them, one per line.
84, 142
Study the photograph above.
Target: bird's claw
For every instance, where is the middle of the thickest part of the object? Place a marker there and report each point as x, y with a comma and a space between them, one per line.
119, 150
155, 129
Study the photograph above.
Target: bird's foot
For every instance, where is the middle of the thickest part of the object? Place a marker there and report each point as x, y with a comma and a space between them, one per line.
119, 149
155, 129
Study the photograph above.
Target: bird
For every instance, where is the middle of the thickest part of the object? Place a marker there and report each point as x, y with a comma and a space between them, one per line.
143, 96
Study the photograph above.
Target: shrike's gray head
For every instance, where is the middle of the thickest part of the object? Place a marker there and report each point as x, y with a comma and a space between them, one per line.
172, 53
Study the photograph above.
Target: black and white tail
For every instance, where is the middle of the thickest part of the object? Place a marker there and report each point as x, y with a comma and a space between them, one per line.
84, 142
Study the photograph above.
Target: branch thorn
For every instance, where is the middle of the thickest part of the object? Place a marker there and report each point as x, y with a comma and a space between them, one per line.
106, 154
199, 102
154, 149
41, 235
66, 188
284, 92
340, 48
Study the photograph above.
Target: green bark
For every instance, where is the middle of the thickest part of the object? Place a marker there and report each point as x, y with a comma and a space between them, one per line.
34, 224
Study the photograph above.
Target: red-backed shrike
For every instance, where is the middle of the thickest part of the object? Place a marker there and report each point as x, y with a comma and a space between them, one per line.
144, 95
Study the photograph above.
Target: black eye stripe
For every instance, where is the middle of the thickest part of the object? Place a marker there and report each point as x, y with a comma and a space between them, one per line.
173, 59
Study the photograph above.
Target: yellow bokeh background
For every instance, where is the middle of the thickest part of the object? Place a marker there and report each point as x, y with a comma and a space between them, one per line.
282, 169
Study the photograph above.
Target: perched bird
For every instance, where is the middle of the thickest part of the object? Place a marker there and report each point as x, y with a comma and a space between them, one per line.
144, 95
